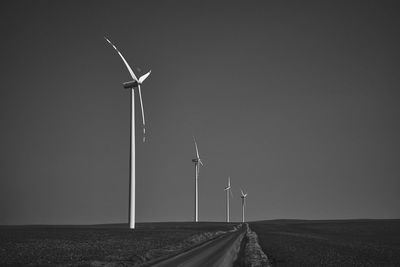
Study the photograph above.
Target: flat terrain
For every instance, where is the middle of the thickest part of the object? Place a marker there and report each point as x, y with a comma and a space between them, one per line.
114, 245
330, 243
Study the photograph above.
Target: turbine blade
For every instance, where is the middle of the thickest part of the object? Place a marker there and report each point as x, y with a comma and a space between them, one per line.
123, 59
241, 191
141, 105
229, 181
143, 77
201, 162
197, 150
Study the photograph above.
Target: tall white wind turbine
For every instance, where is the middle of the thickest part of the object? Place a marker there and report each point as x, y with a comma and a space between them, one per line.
196, 161
135, 83
228, 192
243, 196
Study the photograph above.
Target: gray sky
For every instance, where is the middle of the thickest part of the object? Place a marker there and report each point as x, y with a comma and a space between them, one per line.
297, 102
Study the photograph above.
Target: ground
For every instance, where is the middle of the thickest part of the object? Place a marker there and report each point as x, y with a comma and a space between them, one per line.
286, 243
115, 245
330, 243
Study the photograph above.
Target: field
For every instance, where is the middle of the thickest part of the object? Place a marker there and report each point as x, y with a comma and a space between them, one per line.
330, 243
111, 245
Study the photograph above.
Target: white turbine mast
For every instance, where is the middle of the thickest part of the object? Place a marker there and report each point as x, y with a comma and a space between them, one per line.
196, 161
135, 83
228, 192
243, 196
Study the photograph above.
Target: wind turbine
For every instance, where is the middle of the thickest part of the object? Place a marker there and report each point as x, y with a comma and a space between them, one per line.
196, 161
135, 83
228, 191
243, 196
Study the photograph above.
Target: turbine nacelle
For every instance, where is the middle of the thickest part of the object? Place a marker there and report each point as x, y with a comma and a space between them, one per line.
196, 160
131, 84
244, 195
136, 82
228, 187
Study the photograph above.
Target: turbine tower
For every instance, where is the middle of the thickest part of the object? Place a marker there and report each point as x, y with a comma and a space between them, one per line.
243, 196
196, 161
228, 191
131, 85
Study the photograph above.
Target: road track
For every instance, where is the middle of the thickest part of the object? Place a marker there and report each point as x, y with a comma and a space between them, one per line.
218, 252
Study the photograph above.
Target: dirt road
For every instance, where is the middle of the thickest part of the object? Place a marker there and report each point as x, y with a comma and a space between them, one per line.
220, 252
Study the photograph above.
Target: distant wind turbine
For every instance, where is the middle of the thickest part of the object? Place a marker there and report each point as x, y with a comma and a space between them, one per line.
196, 161
228, 191
243, 196
135, 83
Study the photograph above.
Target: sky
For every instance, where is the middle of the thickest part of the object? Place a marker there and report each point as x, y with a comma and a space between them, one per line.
296, 101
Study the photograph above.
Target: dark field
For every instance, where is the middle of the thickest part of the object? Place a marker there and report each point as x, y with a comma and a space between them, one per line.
111, 245
330, 243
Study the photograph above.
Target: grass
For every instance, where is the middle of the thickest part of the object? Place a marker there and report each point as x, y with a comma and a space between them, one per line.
114, 245
330, 243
